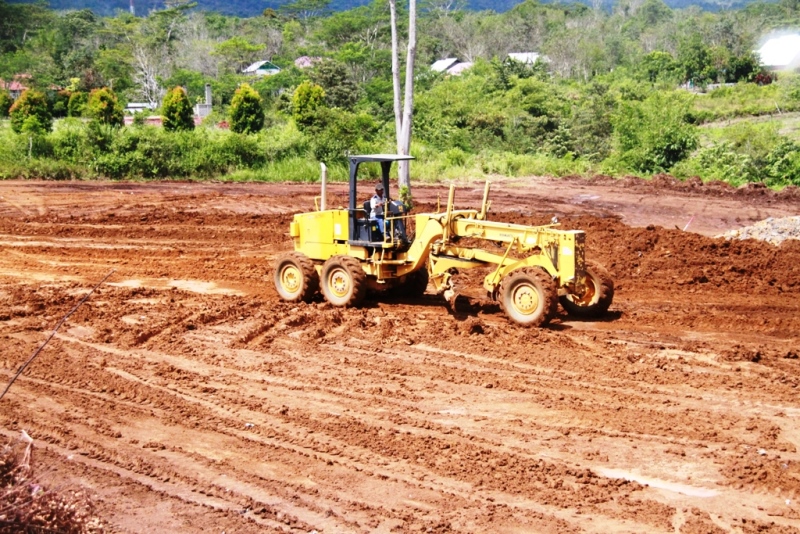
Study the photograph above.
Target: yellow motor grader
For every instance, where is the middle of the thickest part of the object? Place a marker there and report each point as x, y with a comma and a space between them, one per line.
343, 253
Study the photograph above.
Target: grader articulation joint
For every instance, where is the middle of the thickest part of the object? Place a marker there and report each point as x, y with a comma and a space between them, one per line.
342, 253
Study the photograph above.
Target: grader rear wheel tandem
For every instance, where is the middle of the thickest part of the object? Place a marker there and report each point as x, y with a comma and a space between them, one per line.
296, 278
344, 282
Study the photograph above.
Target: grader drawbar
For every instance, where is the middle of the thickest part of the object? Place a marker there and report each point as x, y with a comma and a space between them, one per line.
342, 253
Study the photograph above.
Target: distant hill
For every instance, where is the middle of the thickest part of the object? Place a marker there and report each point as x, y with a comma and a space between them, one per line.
249, 8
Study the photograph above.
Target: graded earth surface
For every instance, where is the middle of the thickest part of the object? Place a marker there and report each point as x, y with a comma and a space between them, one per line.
184, 396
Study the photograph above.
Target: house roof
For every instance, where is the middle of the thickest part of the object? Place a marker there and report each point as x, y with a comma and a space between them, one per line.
14, 85
529, 58
458, 68
782, 51
304, 62
443, 64
261, 66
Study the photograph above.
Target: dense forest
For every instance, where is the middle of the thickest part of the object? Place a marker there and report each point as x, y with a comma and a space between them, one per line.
608, 94
249, 8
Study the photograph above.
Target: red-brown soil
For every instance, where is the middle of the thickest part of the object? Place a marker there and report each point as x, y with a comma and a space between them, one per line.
187, 398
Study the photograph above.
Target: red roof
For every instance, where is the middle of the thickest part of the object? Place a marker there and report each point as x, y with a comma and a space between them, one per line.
15, 84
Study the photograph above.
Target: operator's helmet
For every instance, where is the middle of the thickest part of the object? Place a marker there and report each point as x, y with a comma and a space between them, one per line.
379, 187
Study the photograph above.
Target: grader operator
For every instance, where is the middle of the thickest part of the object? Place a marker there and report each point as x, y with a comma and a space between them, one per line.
343, 253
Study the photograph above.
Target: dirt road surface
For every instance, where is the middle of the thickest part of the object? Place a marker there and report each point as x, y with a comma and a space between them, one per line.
187, 398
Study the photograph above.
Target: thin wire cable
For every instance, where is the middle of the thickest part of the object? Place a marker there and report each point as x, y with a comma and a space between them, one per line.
53, 333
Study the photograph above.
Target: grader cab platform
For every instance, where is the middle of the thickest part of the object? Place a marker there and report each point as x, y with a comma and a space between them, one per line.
342, 253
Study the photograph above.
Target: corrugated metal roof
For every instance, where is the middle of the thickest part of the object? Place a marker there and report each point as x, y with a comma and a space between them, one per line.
781, 51
444, 64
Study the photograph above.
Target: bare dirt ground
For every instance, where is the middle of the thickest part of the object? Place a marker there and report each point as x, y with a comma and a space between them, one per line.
187, 398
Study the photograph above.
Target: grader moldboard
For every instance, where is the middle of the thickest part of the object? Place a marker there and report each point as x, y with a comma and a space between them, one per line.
343, 253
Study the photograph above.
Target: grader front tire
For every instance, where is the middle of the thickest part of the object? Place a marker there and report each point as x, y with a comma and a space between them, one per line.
596, 299
529, 296
295, 278
344, 282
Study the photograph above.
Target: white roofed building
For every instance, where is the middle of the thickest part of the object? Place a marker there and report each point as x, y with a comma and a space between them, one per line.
529, 58
451, 66
262, 68
781, 52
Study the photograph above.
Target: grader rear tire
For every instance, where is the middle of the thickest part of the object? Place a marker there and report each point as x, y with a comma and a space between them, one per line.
295, 278
529, 296
344, 282
597, 298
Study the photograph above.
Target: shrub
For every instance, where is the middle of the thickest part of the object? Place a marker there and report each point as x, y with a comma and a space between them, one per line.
783, 164
70, 142
247, 115
177, 111
104, 107
719, 162
5, 102
653, 135
77, 104
306, 101
60, 103
31, 104
337, 132
29, 505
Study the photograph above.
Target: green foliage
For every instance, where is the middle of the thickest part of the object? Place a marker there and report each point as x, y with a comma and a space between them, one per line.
103, 106
336, 132
5, 102
77, 104
658, 66
71, 142
247, 115
31, 113
604, 96
748, 152
59, 102
340, 91
176, 111
237, 52
653, 135
308, 98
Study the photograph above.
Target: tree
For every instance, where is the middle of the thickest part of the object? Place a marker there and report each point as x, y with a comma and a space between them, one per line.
104, 107
694, 57
658, 65
404, 113
340, 91
31, 113
77, 104
5, 102
237, 53
177, 111
247, 115
305, 9
306, 101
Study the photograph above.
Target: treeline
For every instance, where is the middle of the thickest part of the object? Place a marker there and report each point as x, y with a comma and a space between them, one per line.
605, 99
